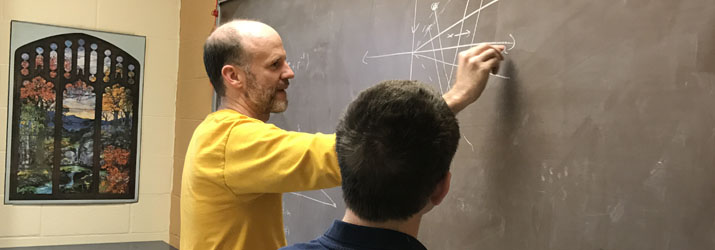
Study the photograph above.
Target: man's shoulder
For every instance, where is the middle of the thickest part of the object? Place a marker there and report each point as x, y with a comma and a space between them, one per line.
230, 116
226, 120
312, 245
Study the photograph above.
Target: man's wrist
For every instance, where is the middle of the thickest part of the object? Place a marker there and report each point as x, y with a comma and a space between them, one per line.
455, 101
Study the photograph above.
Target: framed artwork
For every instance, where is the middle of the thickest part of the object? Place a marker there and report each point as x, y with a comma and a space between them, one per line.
74, 115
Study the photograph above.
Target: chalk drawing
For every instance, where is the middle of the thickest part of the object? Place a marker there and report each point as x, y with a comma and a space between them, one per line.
616, 212
331, 203
466, 33
468, 142
436, 50
414, 20
459, 40
655, 183
300, 64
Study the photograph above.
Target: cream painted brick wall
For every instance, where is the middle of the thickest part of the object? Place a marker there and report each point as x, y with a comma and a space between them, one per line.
191, 107
151, 215
4, 43
148, 219
24, 220
163, 80
84, 219
154, 166
130, 16
2, 181
4, 68
157, 135
192, 60
3, 123
64, 13
4, 33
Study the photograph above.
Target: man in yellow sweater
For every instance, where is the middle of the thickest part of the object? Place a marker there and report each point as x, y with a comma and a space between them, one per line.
237, 165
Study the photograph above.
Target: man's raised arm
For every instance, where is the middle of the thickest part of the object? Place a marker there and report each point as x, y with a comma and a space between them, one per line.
473, 71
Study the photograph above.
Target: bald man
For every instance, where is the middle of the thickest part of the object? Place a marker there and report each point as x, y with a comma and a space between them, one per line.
237, 165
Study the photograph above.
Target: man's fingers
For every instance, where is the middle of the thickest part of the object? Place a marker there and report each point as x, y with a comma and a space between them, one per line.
466, 55
487, 55
499, 49
481, 49
493, 64
476, 50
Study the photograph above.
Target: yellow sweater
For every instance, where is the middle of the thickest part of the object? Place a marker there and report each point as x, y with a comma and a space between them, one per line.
235, 170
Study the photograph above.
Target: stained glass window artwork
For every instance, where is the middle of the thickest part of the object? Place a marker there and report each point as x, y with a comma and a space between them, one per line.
35, 130
68, 59
78, 115
39, 59
119, 69
107, 65
80, 57
130, 75
93, 63
74, 138
25, 64
53, 60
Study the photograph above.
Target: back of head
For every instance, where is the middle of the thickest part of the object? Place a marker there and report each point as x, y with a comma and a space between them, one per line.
394, 143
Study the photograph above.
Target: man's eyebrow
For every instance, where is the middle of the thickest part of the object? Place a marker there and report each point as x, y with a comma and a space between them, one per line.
276, 58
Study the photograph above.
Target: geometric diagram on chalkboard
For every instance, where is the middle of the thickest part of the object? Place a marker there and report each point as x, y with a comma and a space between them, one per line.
435, 53
320, 199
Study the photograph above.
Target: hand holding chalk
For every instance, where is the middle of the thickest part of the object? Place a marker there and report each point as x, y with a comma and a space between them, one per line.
472, 74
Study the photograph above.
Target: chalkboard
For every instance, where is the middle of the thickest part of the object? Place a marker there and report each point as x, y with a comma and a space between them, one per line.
597, 133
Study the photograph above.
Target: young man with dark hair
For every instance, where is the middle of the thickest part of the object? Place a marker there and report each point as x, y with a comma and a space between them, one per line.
395, 144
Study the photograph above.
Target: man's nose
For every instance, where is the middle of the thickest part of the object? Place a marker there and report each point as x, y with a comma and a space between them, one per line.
288, 74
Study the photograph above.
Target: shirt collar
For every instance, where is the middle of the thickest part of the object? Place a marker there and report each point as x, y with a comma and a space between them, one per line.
371, 237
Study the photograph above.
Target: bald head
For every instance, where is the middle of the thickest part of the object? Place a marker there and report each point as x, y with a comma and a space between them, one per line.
233, 43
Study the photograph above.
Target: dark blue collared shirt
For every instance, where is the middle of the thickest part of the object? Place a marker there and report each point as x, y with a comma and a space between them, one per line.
346, 236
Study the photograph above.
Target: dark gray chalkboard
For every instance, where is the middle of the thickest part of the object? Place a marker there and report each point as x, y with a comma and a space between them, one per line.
603, 137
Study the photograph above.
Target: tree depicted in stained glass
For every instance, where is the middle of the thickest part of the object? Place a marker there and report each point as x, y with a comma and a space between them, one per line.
116, 129
36, 136
114, 173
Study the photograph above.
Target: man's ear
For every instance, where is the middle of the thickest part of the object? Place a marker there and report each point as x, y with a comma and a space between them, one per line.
441, 190
233, 76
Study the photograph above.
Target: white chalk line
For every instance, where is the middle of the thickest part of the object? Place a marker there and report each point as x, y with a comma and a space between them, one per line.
435, 60
500, 76
415, 52
413, 38
332, 204
436, 68
459, 40
468, 142
476, 24
441, 51
458, 22
431, 50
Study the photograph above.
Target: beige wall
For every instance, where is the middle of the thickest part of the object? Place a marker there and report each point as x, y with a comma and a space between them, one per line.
193, 95
148, 219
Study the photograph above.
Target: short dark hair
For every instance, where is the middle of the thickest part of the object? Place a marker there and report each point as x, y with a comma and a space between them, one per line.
394, 143
222, 49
